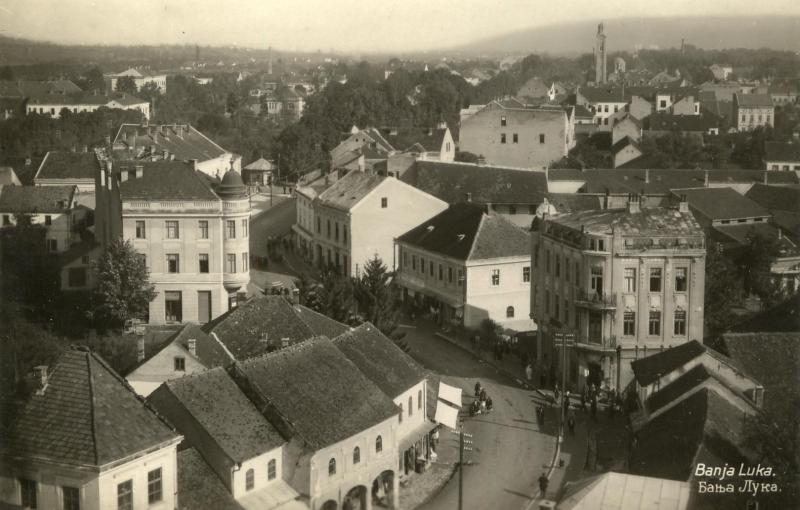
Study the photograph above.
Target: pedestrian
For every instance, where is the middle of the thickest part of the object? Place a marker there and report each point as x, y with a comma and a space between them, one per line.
529, 373
556, 393
543, 379
583, 400
571, 425
543, 481
594, 407
566, 401
483, 395
435, 438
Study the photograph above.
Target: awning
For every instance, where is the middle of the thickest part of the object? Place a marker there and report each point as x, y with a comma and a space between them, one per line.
446, 414
416, 434
450, 394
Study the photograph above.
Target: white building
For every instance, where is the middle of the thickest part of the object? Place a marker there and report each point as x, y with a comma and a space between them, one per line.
140, 79
84, 440
53, 207
79, 102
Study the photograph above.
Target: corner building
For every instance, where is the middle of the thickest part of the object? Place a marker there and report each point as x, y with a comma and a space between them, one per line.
627, 282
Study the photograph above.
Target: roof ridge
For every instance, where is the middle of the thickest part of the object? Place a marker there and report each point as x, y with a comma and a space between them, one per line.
477, 236
90, 376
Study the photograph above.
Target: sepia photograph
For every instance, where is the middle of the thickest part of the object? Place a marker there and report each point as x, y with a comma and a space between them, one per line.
399, 254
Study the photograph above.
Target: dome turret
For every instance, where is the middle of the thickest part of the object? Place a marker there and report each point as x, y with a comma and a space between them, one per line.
232, 186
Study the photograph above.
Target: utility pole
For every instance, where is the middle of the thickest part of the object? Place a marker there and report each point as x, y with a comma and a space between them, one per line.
464, 443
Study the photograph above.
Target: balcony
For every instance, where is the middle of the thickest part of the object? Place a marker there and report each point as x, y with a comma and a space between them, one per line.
595, 300
606, 345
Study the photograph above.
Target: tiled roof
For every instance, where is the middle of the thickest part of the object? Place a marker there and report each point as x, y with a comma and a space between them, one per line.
87, 416
741, 233
222, 410
163, 180
685, 123
573, 202
320, 392
68, 165
647, 370
350, 190
623, 491
759, 100
10, 89
775, 198
36, 88
36, 199
258, 326
380, 359
721, 203
465, 232
182, 140
677, 387
487, 184
85, 98
8, 177
784, 317
260, 164
781, 151
208, 351
321, 325
623, 143
429, 139
199, 487
655, 221
581, 112
24, 167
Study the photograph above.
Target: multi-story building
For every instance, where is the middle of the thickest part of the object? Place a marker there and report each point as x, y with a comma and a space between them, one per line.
168, 142
53, 207
59, 168
84, 440
509, 133
359, 216
194, 238
468, 266
140, 79
78, 102
752, 111
782, 156
624, 281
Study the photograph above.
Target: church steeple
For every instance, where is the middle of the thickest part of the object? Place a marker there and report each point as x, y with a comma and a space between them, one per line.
600, 73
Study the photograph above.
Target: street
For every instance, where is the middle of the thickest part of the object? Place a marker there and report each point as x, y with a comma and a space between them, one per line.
270, 222
509, 450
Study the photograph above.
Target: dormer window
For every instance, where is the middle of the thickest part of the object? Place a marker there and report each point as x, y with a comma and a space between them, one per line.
180, 364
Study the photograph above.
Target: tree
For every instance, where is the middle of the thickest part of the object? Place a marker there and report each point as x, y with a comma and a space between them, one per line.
376, 296
123, 288
30, 273
466, 157
127, 85
723, 289
334, 296
754, 261
94, 79
6, 73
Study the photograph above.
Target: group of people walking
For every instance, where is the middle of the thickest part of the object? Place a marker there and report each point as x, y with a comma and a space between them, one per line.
482, 403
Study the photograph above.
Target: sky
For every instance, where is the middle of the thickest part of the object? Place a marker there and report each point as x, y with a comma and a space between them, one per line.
362, 26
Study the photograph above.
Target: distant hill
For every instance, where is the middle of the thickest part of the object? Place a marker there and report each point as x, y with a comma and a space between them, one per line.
773, 32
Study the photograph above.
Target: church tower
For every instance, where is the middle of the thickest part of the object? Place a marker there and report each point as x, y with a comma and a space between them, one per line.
600, 74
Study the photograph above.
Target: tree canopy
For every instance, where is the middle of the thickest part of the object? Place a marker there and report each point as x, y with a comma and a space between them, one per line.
123, 288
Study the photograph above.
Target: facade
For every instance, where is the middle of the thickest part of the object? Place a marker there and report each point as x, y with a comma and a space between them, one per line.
518, 136
140, 79
359, 216
782, 156
621, 280
85, 440
79, 102
77, 273
752, 111
53, 207
467, 266
195, 239
625, 151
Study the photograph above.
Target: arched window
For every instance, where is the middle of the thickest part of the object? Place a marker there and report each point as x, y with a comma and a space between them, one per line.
510, 312
378, 444
249, 479
356, 455
331, 467
419, 399
272, 471
410, 405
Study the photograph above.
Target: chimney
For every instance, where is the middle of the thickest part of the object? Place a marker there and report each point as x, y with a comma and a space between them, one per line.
139, 171
180, 131
86, 148
705, 179
647, 176
140, 348
28, 161
152, 150
108, 141
123, 175
469, 197
683, 205
192, 346
125, 137
166, 155
765, 178
133, 144
441, 125
634, 205
40, 378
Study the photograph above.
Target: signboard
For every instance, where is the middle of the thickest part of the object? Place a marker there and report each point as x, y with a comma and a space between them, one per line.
563, 338
446, 414
450, 394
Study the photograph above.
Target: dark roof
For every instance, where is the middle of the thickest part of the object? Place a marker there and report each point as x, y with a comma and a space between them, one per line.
581, 112
686, 123
319, 391
572, 202
781, 151
487, 184
775, 198
624, 142
68, 165
182, 140
164, 180
784, 317
350, 190
258, 326
429, 139
85, 98
647, 370
208, 351
223, 411
321, 325
465, 232
740, 233
380, 359
759, 100
36, 199
655, 221
8, 177
199, 487
677, 387
87, 416
705, 425
36, 88
24, 167
721, 203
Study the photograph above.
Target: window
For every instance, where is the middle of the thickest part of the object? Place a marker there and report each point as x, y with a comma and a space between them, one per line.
547, 301
356, 455
125, 495
173, 306
541, 138
558, 265
203, 262
378, 444
510, 312
202, 229
547, 261
601, 245
48, 220
249, 479
460, 277
172, 230
231, 266
680, 279
597, 279
328, 228
272, 470
400, 416
449, 275
231, 229
419, 399
319, 226
245, 261
566, 311
6, 219
344, 233
495, 277
173, 263
72, 498
503, 121
28, 493
502, 138
629, 323
655, 279
245, 228
180, 364
630, 279
414, 262
566, 269
655, 323
140, 232
77, 277
331, 467
680, 323
154, 494
512, 209
52, 245
441, 272
556, 307
605, 108
515, 138
526, 274
410, 406
384, 202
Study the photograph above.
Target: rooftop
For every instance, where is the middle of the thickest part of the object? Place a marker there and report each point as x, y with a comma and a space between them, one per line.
380, 359
68, 166
784, 317
757, 100
319, 391
350, 190
781, 151
647, 370
429, 140
260, 164
686, 123
92, 417
199, 486
92, 98
163, 180
37, 199
622, 491
207, 350
721, 203
775, 198
654, 222
182, 140
321, 325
